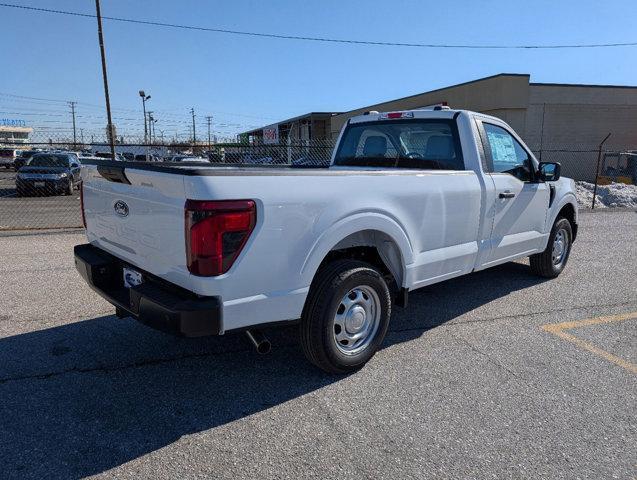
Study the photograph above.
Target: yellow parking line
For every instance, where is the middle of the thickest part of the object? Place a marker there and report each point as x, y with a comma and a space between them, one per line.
558, 329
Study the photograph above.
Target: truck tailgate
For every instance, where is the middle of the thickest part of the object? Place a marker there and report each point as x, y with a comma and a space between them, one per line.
141, 222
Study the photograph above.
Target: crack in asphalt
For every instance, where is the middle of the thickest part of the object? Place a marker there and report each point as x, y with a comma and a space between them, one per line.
104, 369
452, 323
160, 361
488, 357
38, 270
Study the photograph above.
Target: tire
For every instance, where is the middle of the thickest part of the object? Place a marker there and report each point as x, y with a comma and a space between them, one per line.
545, 264
345, 293
69, 188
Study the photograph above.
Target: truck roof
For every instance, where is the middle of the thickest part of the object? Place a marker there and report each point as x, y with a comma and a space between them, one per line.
436, 112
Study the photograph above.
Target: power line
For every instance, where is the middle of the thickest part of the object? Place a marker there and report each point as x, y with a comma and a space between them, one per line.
36, 100
322, 39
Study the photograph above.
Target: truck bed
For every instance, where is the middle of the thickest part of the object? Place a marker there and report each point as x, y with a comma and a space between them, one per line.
225, 169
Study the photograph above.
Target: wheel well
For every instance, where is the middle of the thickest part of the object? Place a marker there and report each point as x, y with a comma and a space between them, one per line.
364, 254
568, 212
375, 248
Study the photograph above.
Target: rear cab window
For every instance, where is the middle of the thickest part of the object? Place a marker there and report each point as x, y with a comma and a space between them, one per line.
427, 144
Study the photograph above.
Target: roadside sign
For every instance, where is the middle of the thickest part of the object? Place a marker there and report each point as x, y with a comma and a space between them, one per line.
271, 134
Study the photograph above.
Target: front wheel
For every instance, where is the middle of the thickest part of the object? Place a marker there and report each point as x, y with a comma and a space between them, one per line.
552, 260
346, 316
70, 187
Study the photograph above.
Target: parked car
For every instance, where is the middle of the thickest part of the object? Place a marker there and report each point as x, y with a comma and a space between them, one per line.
118, 156
147, 157
410, 199
8, 156
49, 173
23, 158
186, 158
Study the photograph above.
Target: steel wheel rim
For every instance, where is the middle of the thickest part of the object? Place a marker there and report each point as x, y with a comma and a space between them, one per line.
356, 320
560, 247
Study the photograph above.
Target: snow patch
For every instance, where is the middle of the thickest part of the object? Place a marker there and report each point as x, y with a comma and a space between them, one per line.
608, 196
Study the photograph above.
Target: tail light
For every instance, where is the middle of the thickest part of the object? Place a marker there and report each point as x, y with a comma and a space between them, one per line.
216, 232
82, 203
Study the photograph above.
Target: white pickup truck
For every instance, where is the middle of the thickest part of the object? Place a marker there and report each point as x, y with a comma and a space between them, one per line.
410, 198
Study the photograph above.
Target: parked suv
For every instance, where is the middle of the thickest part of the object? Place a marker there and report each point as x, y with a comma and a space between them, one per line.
49, 173
7, 156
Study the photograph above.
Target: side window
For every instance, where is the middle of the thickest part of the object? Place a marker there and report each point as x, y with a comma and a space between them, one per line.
507, 155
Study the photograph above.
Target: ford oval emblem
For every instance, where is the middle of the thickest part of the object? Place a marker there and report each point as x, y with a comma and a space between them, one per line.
121, 208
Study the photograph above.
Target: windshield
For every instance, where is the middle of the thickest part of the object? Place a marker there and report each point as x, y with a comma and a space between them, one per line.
49, 161
420, 144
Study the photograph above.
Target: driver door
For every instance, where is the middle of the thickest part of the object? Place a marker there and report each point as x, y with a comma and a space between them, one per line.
520, 203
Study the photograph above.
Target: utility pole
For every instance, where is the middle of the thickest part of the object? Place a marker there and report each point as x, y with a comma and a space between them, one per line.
144, 98
194, 137
150, 127
209, 120
100, 36
72, 105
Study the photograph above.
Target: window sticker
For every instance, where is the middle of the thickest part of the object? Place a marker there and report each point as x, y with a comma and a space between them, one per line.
502, 147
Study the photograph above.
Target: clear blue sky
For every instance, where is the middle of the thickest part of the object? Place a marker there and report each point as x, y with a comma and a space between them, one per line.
245, 81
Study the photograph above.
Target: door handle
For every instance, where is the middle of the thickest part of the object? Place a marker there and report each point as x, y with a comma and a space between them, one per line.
507, 195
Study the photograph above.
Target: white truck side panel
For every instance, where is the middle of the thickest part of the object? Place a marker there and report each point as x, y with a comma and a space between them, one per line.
300, 219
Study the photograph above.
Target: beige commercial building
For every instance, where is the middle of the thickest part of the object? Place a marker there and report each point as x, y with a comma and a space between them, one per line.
548, 116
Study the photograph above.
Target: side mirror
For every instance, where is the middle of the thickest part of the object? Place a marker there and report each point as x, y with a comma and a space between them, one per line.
549, 171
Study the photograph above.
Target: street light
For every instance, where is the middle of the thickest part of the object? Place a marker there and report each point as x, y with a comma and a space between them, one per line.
144, 98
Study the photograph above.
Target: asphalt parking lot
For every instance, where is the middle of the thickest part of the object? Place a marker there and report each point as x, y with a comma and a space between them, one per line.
480, 377
37, 212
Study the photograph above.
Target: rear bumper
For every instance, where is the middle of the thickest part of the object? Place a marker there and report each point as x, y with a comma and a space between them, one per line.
47, 185
155, 303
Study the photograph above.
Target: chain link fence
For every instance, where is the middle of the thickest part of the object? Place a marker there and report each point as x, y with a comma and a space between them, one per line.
40, 198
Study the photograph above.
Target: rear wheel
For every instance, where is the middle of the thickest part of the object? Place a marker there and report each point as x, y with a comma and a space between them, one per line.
552, 260
346, 316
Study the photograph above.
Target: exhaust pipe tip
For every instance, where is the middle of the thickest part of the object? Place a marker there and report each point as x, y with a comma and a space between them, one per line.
264, 348
260, 341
